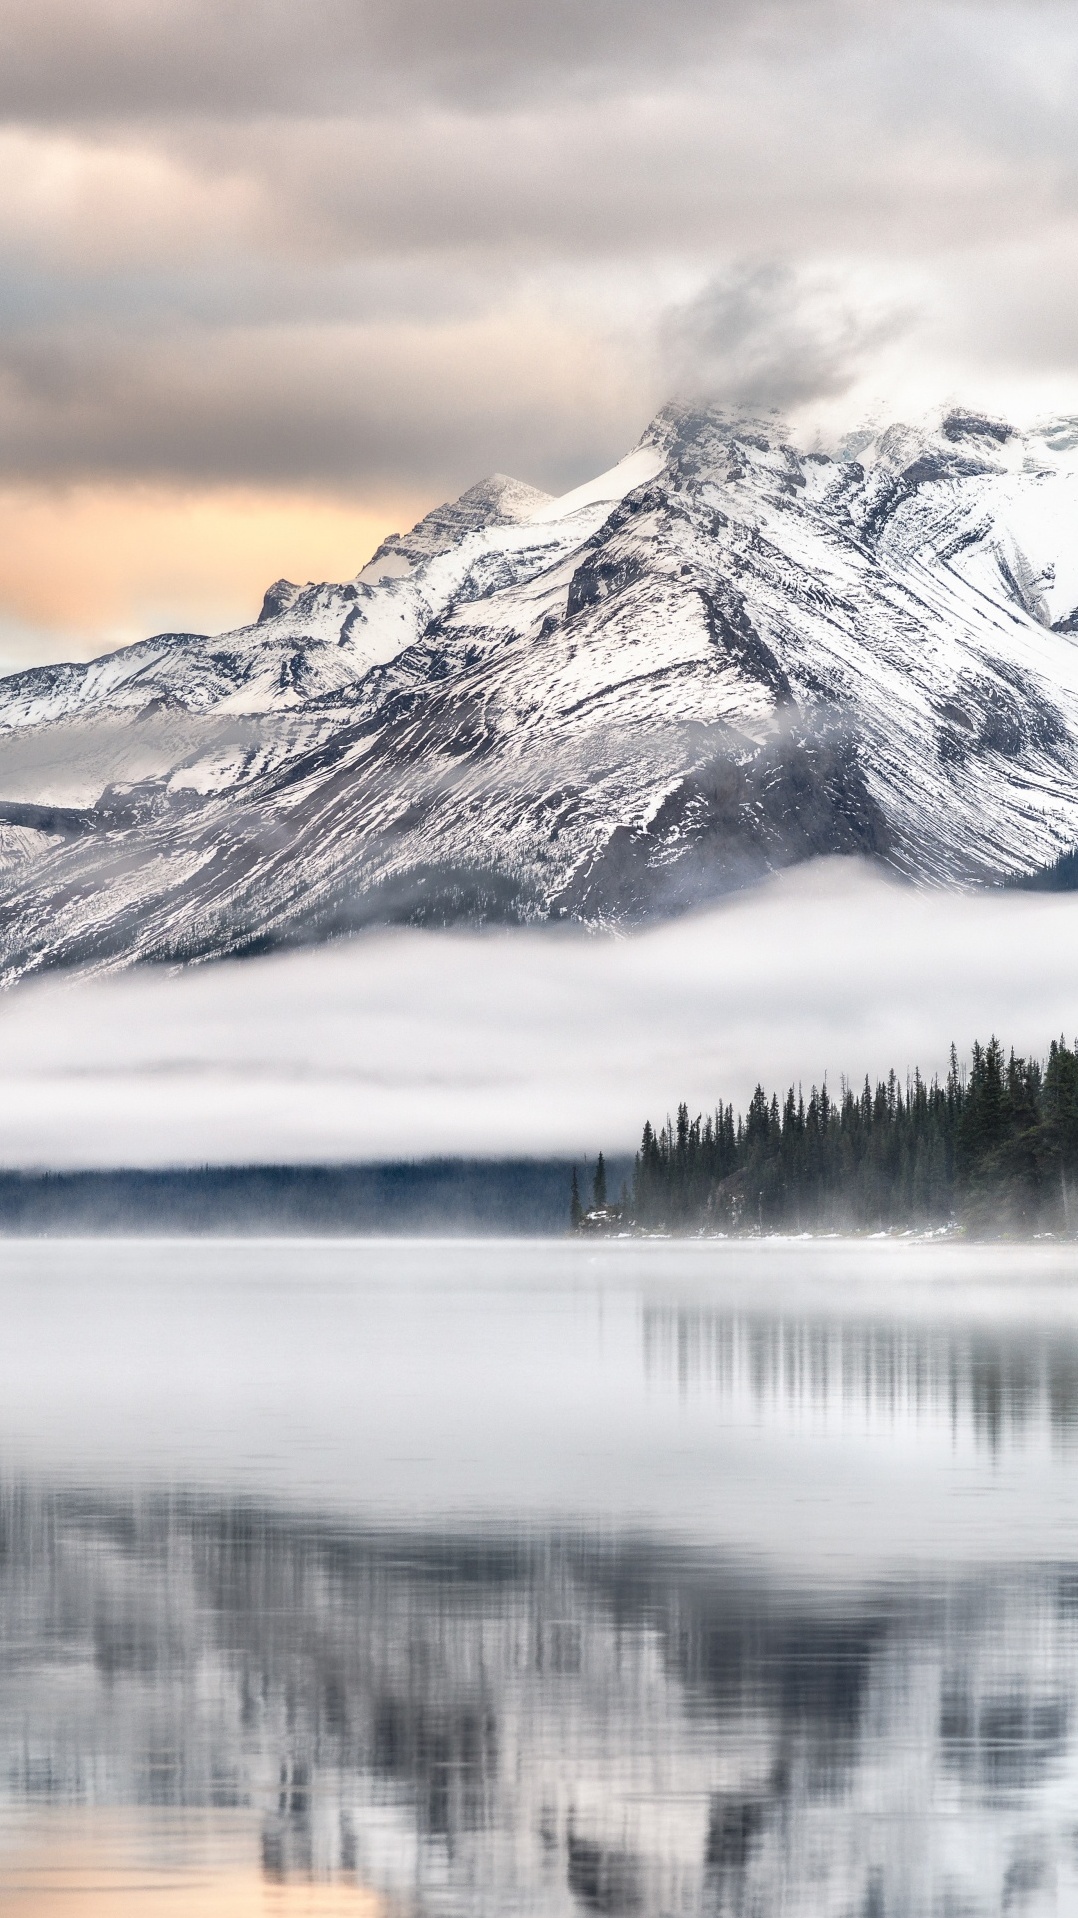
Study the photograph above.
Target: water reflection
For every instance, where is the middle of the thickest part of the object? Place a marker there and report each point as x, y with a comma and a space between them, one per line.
100, 1863
542, 1723
996, 1385
657, 1586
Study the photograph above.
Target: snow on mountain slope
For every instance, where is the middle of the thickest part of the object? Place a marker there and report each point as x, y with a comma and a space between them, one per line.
723, 656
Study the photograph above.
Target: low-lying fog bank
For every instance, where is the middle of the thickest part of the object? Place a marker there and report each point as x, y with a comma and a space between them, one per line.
410, 1045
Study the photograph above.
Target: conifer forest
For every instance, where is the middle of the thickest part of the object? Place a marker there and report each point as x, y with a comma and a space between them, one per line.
992, 1149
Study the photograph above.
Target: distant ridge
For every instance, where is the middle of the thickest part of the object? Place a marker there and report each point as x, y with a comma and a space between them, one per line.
454, 1197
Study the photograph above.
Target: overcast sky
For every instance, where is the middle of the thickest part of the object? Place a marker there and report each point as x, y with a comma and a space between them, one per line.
279, 274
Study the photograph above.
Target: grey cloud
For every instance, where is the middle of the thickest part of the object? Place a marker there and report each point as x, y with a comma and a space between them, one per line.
543, 176
80, 59
362, 407
690, 176
816, 129
759, 336
250, 290
327, 208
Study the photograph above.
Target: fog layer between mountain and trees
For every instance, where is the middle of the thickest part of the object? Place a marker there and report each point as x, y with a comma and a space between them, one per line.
993, 1149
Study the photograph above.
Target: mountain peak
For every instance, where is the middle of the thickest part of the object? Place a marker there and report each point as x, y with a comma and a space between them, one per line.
496, 501
505, 501
279, 597
681, 423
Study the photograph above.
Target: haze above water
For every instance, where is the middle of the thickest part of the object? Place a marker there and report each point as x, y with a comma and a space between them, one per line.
563, 1578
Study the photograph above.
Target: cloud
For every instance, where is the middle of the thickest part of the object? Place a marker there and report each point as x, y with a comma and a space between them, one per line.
121, 59
93, 61
408, 1044
394, 244
372, 405
759, 336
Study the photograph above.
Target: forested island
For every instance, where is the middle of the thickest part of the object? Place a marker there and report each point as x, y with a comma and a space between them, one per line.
992, 1149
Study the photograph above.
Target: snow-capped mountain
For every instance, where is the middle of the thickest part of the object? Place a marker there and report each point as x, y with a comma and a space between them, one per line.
725, 655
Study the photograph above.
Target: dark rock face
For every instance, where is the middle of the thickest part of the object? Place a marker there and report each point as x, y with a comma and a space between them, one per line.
964, 426
279, 597
597, 579
731, 823
732, 629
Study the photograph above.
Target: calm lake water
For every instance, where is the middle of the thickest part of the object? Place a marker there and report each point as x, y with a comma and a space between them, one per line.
535, 1578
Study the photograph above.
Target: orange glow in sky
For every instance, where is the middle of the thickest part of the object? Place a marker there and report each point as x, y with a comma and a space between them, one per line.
86, 568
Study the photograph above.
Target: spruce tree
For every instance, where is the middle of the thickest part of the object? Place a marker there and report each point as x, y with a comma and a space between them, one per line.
576, 1210
598, 1191
997, 1147
1061, 1124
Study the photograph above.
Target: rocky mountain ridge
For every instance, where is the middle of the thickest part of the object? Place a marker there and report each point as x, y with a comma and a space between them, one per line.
726, 655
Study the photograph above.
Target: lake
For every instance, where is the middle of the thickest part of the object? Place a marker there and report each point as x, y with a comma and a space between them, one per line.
552, 1578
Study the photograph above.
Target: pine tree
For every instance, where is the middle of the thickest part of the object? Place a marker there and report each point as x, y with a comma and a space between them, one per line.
998, 1147
576, 1210
1061, 1123
598, 1190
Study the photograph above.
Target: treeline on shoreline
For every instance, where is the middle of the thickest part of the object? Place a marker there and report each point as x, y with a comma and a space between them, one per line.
992, 1149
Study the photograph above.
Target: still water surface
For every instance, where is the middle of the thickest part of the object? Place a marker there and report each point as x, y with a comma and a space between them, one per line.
342, 1578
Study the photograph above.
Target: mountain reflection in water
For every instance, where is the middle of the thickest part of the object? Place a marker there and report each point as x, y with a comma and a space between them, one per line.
478, 1712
